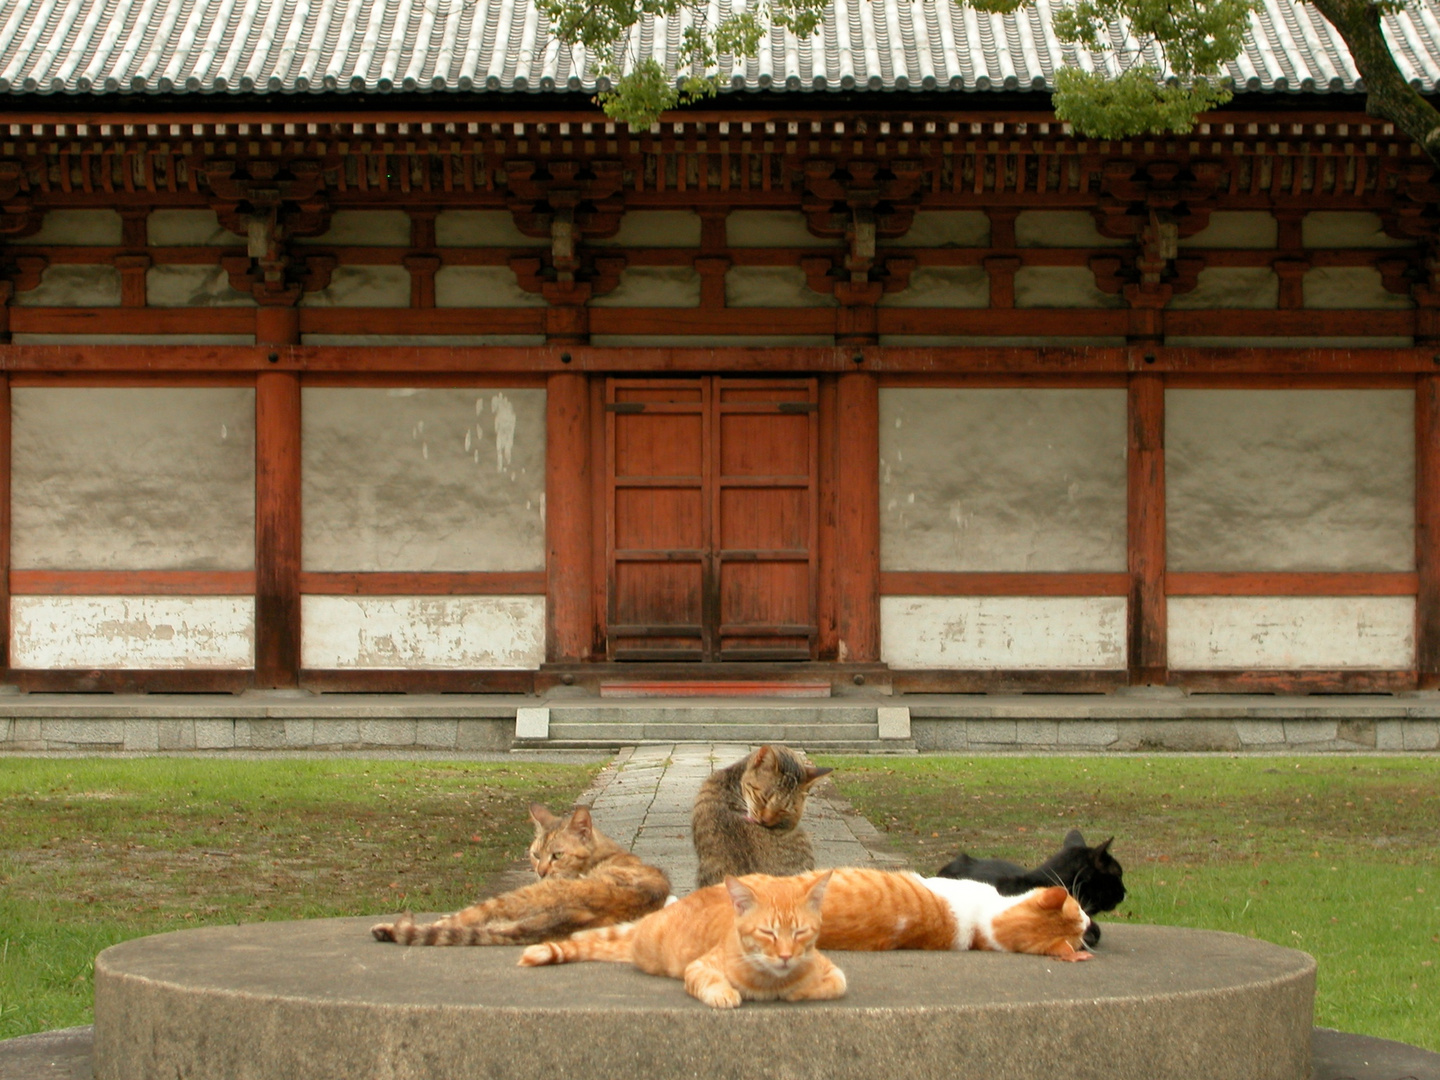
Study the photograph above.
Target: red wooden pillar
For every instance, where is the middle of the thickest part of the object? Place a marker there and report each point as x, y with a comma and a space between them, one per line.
277, 508
857, 549
4, 520
1146, 416
1427, 530
569, 554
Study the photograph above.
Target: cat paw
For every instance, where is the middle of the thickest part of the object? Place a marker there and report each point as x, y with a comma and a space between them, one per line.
1073, 957
393, 931
720, 997
538, 956
384, 931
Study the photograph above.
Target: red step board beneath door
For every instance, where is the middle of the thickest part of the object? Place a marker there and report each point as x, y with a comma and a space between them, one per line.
641, 688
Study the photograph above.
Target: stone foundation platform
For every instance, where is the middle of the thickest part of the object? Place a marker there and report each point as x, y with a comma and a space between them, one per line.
322, 1000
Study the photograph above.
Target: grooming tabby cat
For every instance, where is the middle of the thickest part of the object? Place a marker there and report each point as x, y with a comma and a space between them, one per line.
1091, 874
860, 910
746, 817
746, 939
586, 880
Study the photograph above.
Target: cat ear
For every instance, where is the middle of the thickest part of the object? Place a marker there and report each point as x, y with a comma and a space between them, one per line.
760, 755
812, 774
1052, 898
1104, 849
580, 821
542, 816
1073, 839
817, 892
740, 895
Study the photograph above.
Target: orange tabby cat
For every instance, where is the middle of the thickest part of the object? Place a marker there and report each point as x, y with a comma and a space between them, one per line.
751, 938
586, 879
867, 910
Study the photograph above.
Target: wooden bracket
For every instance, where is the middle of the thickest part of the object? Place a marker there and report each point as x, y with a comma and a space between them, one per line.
277, 199
279, 282
1137, 197
556, 199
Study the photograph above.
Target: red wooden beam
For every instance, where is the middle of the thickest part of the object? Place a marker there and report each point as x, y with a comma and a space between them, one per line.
1146, 528
989, 583
422, 583
132, 582
1271, 583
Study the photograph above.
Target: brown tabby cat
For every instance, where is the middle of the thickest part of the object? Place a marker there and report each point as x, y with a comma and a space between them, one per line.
884, 909
746, 817
752, 938
586, 880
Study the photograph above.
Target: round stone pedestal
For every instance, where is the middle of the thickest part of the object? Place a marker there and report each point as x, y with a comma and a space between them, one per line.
321, 999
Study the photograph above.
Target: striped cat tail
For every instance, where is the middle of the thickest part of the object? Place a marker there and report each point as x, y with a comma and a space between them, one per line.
406, 931
613, 943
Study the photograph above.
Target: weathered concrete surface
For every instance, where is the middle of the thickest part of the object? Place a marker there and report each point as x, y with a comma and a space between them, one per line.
322, 999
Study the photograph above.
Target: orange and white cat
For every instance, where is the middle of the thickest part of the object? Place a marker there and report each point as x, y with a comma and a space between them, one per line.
868, 910
748, 939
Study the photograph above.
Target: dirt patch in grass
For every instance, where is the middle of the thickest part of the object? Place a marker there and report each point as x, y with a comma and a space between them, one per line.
1336, 856
93, 852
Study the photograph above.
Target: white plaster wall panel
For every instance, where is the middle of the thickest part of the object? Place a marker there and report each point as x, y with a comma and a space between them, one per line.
1291, 632
1350, 287
1346, 229
481, 286
363, 286
192, 286
132, 478
422, 339
1236, 229
1061, 287
82, 228
405, 479
171, 632
771, 286
1320, 480
364, 228
654, 287
655, 229
1232, 287
422, 632
1002, 479
73, 286
189, 228
943, 286
772, 228
1060, 228
482, 228
945, 228
1003, 632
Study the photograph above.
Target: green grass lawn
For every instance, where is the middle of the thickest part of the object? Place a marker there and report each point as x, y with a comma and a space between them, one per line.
96, 851
1334, 855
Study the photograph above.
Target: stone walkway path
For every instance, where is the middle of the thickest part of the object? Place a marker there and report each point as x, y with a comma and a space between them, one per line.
642, 800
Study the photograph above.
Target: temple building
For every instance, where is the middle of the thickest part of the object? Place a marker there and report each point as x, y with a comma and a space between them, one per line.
349, 346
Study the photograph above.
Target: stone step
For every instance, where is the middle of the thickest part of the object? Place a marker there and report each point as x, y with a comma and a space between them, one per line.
813, 746
697, 730
814, 712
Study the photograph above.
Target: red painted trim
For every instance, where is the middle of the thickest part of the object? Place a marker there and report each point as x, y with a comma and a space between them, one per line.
132, 582
423, 583
1295, 682
985, 583
1273, 583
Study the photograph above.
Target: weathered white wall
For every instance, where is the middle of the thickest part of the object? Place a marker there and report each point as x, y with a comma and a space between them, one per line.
943, 286
133, 478
1290, 480
1060, 228
772, 228
406, 479
481, 286
1350, 287
945, 228
1061, 287
1003, 632
132, 632
1231, 287
1236, 229
655, 229
1254, 632
422, 632
482, 228
192, 286
771, 286
73, 286
364, 228
654, 286
1002, 479
83, 228
363, 286
1346, 229
189, 228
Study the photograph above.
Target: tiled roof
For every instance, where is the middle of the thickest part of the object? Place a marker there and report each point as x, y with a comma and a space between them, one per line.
397, 46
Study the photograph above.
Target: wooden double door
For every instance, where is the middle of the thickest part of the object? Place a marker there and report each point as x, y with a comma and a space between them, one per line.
711, 518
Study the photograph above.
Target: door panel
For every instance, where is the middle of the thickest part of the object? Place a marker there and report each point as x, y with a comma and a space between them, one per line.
712, 518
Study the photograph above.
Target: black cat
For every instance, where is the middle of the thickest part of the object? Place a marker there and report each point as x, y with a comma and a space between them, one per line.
1091, 874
